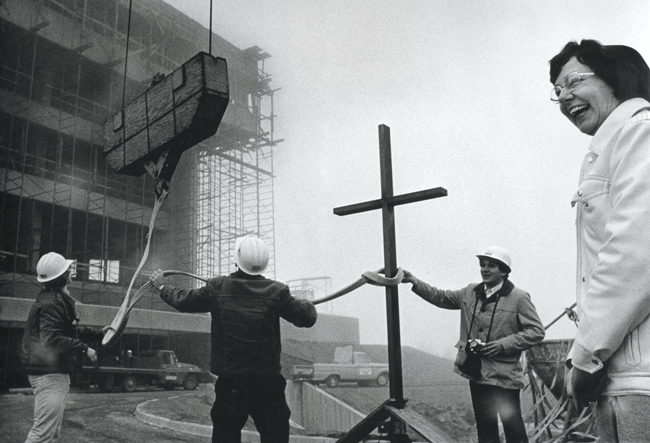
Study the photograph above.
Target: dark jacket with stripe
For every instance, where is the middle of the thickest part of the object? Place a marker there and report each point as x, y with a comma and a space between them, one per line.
246, 311
52, 342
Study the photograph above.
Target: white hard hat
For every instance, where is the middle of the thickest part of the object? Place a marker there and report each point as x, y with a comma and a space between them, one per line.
51, 266
499, 254
251, 255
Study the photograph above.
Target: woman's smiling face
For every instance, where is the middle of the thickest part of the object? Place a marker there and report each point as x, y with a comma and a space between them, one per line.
590, 103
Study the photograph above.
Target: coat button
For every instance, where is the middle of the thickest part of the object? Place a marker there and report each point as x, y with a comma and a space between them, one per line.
590, 159
480, 330
584, 279
580, 193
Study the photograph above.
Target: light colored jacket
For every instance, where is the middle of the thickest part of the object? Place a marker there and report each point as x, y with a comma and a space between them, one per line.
613, 269
516, 326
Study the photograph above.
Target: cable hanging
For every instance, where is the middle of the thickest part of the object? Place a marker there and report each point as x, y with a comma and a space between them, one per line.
198, 120
126, 56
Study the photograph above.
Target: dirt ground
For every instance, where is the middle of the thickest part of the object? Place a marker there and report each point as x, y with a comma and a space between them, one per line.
92, 417
110, 417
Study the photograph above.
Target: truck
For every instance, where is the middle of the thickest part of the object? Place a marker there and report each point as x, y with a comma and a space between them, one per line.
158, 368
348, 366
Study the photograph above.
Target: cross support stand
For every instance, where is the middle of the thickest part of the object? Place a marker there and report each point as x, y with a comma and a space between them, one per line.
391, 416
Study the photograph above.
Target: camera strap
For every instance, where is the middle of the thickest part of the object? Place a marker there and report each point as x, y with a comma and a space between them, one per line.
494, 311
471, 323
469, 332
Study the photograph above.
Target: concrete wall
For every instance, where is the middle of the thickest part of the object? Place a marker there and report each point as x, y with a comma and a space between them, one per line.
317, 411
328, 328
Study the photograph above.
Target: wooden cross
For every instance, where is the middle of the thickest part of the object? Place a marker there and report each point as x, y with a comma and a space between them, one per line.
387, 204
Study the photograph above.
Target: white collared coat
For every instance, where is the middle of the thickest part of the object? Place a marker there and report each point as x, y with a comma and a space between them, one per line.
613, 256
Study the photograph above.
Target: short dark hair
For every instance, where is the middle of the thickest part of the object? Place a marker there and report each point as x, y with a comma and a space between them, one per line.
621, 67
503, 268
58, 282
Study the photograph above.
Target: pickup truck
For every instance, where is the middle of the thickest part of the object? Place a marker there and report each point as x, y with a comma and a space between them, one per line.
349, 366
152, 368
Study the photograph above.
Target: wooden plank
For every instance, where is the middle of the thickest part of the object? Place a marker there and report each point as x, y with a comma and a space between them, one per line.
135, 117
194, 78
419, 424
413, 197
113, 133
136, 147
162, 129
393, 201
213, 80
172, 115
160, 100
358, 207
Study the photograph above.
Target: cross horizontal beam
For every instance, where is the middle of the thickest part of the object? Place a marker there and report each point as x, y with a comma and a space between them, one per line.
412, 197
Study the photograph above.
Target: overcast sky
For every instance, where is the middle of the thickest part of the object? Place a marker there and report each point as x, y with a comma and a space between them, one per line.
464, 87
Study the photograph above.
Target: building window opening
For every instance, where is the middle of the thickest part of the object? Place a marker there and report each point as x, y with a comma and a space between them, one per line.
104, 270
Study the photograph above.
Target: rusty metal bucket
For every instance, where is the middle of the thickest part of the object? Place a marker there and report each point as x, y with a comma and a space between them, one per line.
547, 361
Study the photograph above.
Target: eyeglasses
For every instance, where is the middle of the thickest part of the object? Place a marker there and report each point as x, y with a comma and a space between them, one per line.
571, 82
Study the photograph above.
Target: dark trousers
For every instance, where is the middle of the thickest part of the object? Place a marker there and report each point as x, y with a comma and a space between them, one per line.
260, 397
492, 401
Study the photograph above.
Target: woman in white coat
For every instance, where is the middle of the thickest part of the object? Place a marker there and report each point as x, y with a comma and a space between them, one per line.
605, 92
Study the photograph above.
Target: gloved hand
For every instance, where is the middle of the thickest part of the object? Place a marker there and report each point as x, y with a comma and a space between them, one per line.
158, 279
586, 387
91, 354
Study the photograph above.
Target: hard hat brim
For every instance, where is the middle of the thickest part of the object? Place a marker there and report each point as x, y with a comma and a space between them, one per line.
68, 263
490, 257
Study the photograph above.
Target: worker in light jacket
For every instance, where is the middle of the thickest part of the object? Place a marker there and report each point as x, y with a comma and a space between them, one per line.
498, 321
246, 309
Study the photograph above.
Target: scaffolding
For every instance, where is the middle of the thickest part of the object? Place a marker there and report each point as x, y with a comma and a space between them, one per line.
313, 288
61, 77
235, 186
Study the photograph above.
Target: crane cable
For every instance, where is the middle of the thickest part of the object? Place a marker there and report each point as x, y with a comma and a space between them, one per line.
162, 189
126, 57
210, 36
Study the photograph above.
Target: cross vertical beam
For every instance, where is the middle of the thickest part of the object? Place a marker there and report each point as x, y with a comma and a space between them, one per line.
390, 267
387, 205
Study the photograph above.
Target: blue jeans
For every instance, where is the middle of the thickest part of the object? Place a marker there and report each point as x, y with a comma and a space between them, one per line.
623, 419
50, 392
260, 397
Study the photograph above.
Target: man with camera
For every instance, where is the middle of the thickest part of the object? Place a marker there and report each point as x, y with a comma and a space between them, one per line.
498, 321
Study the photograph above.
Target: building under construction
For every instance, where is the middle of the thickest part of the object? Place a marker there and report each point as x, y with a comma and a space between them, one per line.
62, 76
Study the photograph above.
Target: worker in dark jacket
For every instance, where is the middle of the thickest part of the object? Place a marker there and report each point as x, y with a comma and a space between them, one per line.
53, 346
246, 309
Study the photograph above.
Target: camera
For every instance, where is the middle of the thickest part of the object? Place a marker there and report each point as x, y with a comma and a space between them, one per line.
474, 346
472, 364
